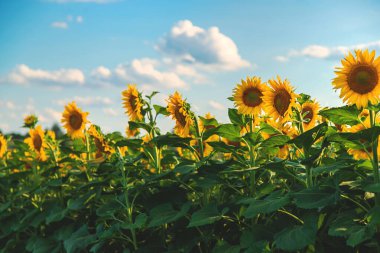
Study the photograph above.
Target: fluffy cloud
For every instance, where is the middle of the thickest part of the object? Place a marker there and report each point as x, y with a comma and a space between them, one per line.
210, 48
86, 101
110, 112
101, 72
324, 52
146, 72
216, 105
23, 74
59, 25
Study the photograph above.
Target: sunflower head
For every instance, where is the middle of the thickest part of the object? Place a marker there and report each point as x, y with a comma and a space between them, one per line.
3, 145
248, 95
133, 103
131, 133
30, 121
37, 142
279, 99
359, 78
179, 109
309, 111
74, 120
102, 147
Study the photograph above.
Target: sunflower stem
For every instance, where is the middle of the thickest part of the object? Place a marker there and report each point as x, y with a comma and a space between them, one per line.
199, 137
375, 157
252, 159
88, 155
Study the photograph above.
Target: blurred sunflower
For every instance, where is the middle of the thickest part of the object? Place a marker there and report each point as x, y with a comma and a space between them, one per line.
74, 120
132, 103
279, 99
30, 121
309, 111
131, 133
248, 95
37, 143
366, 151
359, 78
3, 146
180, 112
102, 147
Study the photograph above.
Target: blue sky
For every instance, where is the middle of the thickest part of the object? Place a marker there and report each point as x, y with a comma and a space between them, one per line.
56, 51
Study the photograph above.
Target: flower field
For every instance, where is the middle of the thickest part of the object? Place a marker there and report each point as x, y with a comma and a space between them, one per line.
284, 175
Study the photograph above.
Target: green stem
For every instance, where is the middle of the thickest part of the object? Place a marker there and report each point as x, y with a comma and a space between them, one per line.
129, 208
199, 137
375, 158
87, 156
309, 176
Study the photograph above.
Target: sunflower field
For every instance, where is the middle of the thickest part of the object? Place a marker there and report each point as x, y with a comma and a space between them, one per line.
284, 175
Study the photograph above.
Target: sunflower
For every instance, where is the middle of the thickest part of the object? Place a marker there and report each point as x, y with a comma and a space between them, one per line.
359, 78
74, 120
37, 143
362, 153
309, 111
248, 95
102, 147
30, 121
132, 103
279, 99
180, 112
3, 145
131, 133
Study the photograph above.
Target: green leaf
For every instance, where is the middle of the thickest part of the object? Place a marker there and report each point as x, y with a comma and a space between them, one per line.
297, 237
131, 143
79, 240
139, 222
360, 234
224, 247
185, 168
346, 115
229, 131
57, 213
275, 141
236, 117
372, 188
209, 123
171, 140
307, 139
136, 125
165, 213
76, 204
270, 204
207, 215
222, 147
315, 198
161, 110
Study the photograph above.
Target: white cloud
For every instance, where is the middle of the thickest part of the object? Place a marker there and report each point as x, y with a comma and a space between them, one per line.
325, 52
216, 105
51, 115
23, 74
101, 72
86, 101
210, 49
146, 71
110, 112
59, 25
79, 19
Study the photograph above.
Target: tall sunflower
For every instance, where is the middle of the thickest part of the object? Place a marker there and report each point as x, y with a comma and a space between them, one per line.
279, 99
359, 78
309, 111
3, 145
248, 95
180, 112
37, 143
74, 120
133, 103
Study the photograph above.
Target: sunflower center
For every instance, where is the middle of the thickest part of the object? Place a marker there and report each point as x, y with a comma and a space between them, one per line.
132, 102
363, 79
282, 102
1, 144
252, 97
180, 117
37, 142
76, 121
307, 114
